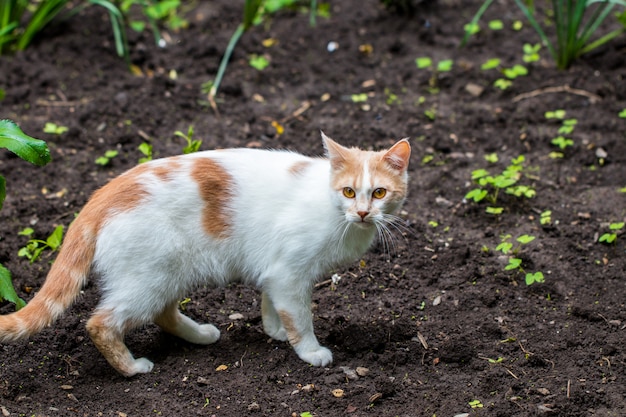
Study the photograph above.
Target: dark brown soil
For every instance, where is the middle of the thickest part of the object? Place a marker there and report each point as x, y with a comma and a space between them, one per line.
439, 324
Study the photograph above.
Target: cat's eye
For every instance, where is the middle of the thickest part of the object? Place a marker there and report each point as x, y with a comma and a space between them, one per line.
379, 193
348, 192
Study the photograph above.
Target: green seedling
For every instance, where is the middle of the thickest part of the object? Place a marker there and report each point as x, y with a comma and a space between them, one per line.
555, 114
476, 404
562, 142
471, 28
31, 150
611, 237
425, 62
258, 62
515, 71
492, 158
622, 114
490, 64
54, 129
568, 126
146, 149
35, 247
193, 145
106, 158
495, 24
489, 187
502, 84
431, 114
506, 247
545, 218
359, 98
531, 52
391, 98
515, 263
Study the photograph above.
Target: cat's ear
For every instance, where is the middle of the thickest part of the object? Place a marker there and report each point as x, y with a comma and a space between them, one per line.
335, 152
399, 154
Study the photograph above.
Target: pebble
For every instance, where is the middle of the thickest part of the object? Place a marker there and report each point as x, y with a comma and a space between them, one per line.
236, 316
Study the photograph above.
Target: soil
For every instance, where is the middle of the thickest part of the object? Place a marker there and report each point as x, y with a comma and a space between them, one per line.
436, 326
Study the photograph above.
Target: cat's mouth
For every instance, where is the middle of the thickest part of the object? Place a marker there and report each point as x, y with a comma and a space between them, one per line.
363, 224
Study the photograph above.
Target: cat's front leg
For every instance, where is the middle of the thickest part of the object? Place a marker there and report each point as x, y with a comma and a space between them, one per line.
272, 325
293, 310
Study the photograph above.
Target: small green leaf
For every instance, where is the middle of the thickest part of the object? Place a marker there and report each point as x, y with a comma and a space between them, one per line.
622, 114
29, 149
492, 158
607, 238
258, 62
490, 64
445, 65
358, 98
423, 62
496, 24
517, 25
524, 239
7, 292
616, 226
556, 114
471, 28
536, 277
502, 84
494, 210
55, 239
479, 173
27, 231
514, 263
504, 247
476, 194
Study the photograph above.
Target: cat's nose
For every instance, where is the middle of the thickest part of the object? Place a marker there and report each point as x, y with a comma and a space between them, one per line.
363, 214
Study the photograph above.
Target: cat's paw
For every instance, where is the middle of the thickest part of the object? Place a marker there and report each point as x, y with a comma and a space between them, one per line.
318, 357
141, 366
278, 334
205, 334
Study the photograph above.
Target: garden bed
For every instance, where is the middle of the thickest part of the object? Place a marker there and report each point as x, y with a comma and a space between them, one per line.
436, 327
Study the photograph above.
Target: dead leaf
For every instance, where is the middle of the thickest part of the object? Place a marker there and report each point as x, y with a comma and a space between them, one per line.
337, 393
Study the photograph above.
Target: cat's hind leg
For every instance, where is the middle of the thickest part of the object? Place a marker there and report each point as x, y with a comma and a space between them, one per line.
174, 322
109, 339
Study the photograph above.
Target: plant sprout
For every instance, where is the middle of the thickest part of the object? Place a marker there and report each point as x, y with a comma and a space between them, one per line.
611, 236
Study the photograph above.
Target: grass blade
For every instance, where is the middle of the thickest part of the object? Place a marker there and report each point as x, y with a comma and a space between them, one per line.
224, 63
475, 19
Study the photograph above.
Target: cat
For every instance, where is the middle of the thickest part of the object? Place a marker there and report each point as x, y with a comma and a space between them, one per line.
274, 219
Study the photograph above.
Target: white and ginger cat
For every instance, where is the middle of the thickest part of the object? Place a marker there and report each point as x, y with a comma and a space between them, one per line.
275, 219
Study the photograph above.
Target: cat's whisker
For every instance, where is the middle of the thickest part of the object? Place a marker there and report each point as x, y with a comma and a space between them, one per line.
399, 224
386, 238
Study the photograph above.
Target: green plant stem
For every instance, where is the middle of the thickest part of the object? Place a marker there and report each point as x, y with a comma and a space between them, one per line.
224, 63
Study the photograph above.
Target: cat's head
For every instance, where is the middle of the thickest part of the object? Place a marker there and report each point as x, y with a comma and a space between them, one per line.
369, 187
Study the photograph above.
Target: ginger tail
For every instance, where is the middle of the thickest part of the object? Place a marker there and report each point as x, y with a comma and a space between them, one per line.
65, 280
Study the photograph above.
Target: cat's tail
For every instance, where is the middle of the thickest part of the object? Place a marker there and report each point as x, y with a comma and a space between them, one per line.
64, 282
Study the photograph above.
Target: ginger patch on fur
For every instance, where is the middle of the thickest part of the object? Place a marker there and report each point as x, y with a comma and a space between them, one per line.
216, 188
